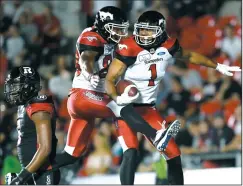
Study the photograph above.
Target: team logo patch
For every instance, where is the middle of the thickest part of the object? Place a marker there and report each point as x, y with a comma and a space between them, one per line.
91, 38
144, 57
27, 71
121, 46
161, 21
161, 53
106, 16
42, 97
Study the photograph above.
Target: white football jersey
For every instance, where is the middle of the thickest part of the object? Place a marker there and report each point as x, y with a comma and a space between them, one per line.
90, 40
146, 68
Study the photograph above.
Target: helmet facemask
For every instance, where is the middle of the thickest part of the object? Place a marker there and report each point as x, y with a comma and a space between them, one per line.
18, 93
146, 34
12, 93
116, 31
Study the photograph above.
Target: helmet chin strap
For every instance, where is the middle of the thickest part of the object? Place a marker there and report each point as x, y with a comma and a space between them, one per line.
138, 40
145, 41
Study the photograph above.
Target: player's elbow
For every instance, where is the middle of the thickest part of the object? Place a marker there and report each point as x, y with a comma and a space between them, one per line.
108, 83
108, 80
109, 88
45, 150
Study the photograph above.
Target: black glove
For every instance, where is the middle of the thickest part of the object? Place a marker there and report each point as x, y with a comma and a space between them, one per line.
9, 178
22, 177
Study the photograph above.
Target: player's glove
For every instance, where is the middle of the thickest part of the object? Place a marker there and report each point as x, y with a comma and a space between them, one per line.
94, 80
22, 178
124, 98
227, 70
9, 177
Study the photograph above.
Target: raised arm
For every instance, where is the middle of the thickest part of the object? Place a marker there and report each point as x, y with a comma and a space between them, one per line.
199, 59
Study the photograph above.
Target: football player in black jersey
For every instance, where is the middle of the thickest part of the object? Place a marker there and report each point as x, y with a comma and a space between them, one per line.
36, 123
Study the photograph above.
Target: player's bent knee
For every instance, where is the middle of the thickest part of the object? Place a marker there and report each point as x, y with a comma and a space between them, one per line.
75, 153
126, 145
130, 154
69, 150
175, 160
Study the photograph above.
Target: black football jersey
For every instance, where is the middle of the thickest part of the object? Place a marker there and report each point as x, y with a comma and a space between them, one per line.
27, 144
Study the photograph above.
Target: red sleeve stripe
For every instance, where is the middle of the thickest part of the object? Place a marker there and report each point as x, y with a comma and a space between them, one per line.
36, 107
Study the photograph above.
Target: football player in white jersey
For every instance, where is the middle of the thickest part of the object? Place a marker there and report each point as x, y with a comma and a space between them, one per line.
143, 59
87, 99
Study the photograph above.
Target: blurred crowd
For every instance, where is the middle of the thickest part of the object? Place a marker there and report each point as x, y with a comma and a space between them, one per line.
207, 104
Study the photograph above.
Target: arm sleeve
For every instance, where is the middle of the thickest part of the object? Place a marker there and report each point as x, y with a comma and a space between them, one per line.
89, 41
36, 107
128, 60
174, 48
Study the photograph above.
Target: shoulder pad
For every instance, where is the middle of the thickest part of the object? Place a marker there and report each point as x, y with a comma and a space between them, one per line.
128, 47
127, 51
89, 37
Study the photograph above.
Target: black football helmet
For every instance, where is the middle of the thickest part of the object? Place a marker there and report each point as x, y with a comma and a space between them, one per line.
111, 23
150, 29
22, 83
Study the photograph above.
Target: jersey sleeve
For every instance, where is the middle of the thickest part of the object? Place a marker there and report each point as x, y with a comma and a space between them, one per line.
126, 53
40, 103
172, 46
175, 48
91, 41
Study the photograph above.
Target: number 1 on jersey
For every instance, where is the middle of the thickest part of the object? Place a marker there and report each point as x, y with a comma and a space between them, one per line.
153, 70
